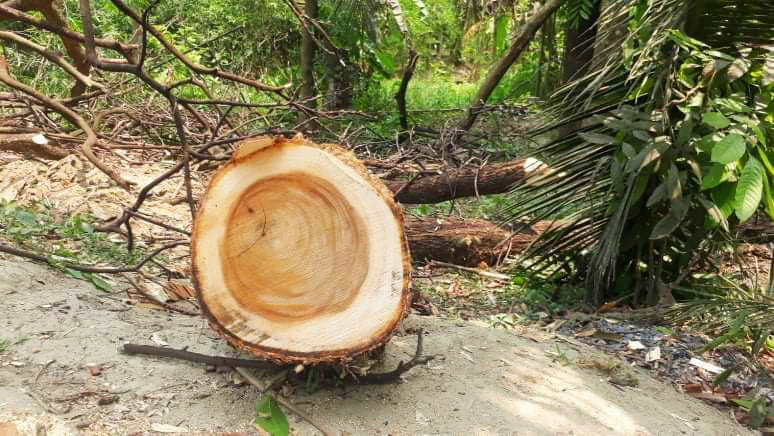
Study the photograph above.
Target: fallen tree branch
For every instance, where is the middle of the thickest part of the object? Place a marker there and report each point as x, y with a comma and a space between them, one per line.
91, 137
90, 269
151, 350
394, 375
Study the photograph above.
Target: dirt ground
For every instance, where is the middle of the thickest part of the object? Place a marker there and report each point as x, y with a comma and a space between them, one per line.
484, 381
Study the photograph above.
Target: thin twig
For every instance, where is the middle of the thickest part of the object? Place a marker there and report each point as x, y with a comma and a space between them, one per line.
151, 350
394, 375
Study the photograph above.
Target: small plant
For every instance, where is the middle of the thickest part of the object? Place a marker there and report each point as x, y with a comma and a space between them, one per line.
65, 240
5, 344
270, 417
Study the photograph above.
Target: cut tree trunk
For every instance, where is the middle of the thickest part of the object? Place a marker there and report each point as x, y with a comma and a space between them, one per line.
32, 144
467, 182
299, 255
466, 241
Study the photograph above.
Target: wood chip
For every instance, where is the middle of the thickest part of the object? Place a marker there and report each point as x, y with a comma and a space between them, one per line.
709, 367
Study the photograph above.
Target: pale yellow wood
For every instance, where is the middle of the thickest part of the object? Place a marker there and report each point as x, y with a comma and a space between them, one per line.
299, 255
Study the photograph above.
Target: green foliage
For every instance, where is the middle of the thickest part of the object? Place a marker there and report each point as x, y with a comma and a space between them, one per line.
270, 417
577, 10
5, 344
67, 239
669, 148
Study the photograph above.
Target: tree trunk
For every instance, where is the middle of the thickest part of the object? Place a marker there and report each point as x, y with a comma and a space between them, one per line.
341, 83
579, 45
466, 241
456, 240
504, 64
299, 255
494, 178
308, 49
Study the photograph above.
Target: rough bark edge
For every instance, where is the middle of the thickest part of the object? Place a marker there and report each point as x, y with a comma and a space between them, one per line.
258, 145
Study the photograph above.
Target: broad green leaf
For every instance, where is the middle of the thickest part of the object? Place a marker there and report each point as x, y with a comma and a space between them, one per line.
723, 377
74, 273
686, 129
673, 185
759, 412
749, 190
639, 188
714, 213
501, 32
270, 417
716, 120
724, 196
707, 142
671, 221
768, 197
733, 105
641, 135
26, 218
628, 150
658, 195
716, 175
597, 138
99, 283
731, 148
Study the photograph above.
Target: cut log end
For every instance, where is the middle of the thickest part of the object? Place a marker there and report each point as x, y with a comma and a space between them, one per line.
299, 255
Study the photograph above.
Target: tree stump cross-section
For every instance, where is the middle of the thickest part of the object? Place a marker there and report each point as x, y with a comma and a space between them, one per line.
299, 254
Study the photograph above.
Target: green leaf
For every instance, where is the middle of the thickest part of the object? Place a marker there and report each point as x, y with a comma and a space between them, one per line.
768, 197
723, 377
731, 148
597, 138
724, 196
714, 212
716, 175
74, 273
671, 221
26, 218
658, 195
716, 120
270, 417
758, 412
99, 283
749, 190
707, 142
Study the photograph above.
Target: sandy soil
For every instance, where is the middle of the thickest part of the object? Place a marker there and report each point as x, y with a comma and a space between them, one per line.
484, 382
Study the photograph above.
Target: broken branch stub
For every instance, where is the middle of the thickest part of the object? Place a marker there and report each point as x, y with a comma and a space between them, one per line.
299, 254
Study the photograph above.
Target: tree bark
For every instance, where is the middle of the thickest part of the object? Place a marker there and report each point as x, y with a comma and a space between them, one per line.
504, 64
465, 182
579, 45
400, 96
32, 144
466, 241
299, 255
308, 51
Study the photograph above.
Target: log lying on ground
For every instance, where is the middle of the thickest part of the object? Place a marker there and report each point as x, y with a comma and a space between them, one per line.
34, 144
494, 178
299, 255
466, 241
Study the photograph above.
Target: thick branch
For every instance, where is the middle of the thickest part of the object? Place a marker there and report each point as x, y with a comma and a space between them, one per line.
185, 60
455, 183
91, 137
151, 350
400, 96
498, 72
52, 56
